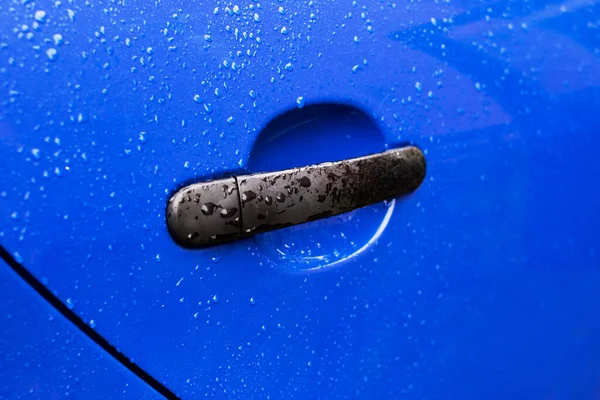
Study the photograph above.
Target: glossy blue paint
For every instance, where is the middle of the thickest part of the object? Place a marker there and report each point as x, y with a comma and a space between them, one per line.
45, 357
480, 285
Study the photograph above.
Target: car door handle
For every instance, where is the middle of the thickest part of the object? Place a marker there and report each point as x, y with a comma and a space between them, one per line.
219, 211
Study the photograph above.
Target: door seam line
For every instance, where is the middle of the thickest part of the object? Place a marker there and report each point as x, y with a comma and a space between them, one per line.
88, 331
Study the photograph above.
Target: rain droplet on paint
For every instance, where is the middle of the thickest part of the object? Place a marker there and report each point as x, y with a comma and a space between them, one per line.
58, 39
40, 16
52, 54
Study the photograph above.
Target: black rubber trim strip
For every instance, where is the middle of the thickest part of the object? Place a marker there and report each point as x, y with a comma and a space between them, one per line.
83, 327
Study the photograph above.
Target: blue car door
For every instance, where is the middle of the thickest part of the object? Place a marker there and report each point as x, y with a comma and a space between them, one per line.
482, 283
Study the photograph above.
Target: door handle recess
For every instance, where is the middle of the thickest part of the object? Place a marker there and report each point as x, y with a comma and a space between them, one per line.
219, 211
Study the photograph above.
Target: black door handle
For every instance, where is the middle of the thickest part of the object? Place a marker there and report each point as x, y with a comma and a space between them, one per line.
209, 213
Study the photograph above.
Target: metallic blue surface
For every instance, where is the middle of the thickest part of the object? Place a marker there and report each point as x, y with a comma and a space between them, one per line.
45, 357
483, 284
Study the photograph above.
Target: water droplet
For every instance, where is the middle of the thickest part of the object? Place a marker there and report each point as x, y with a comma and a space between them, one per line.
81, 118
252, 94
256, 17
228, 212
355, 68
236, 10
300, 102
158, 258
92, 323
304, 181
186, 165
52, 54
418, 86
208, 38
36, 153
284, 31
281, 10
289, 67
248, 195
58, 39
252, 301
208, 208
40, 16
356, 39
231, 120
69, 303
142, 137
197, 98
215, 299
216, 259
433, 21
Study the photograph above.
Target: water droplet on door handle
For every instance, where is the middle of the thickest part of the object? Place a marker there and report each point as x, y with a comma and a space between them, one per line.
210, 213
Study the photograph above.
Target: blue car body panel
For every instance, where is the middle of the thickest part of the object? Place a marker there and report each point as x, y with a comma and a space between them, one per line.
482, 284
45, 357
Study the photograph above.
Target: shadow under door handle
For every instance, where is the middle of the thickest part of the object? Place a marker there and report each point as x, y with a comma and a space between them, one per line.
210, 213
